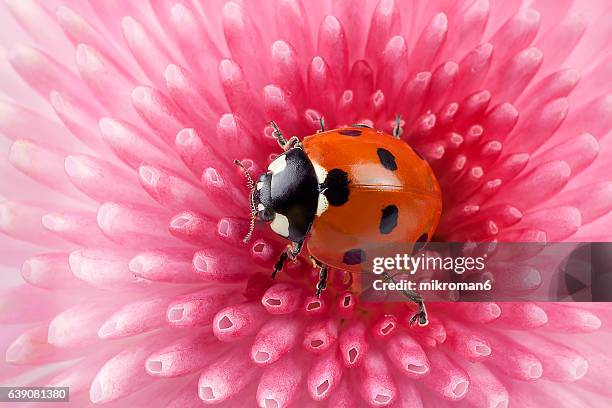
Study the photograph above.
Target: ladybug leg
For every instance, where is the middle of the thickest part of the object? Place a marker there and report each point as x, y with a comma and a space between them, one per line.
421, 315
323, 270
291, 252
282, 142
321, 124
397, 129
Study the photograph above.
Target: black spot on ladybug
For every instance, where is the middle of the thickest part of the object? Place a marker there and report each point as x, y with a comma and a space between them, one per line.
335, 187
350, 132
388, 221
386, 159
353, 256
420, 243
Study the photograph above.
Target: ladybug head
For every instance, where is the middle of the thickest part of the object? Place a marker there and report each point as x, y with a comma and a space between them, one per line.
285, 196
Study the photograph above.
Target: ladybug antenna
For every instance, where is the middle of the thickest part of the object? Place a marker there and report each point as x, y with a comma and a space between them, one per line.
251, 186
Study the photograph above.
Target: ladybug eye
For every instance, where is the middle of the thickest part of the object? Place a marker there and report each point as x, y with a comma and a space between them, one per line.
266, 215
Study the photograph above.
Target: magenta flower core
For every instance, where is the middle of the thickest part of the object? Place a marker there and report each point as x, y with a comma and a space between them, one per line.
121, 205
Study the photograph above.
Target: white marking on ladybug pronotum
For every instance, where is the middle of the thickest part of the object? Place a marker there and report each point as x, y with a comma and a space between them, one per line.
322, 204
320, 171
278, 164
280, 225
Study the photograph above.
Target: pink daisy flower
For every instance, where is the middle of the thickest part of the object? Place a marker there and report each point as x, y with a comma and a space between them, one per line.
125, 214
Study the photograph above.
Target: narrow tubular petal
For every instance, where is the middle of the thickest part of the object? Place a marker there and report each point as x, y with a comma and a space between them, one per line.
599, 205
593, 117
277, 337
185, 356
521, 316
473, 69
78, 376
321, 88
103, 268
171, 266
31, 347
77, 326
538, 185
559, 362
159, 112
324, 375
470, 24
81, 121
429, 44
280, 383
320, 335
131, 145
110, 84
218, 265
17, 122
79, 30
385, 22
513, 359
562, 38
353, 344
170, 190
569, 318
22, 221
466, 342
285, 71
198, 308
31, 16
102, 180
376, 385
122, 374
445, 378
559, 223
332, 46
190, 96
77, 227
278, 105
43, 164
407, 355
135, 318
49, 271
343, 396
226, 377
516, 34
239, 94
196, 228
486, 390
237, 321
409, 396
43, 74
384, 326
192, 37
283, 298
243, 40
579, 152
477, 312
393, 67
150, 54
516, 75
134, 226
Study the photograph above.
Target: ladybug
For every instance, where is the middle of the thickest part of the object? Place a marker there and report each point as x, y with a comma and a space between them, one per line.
344, 192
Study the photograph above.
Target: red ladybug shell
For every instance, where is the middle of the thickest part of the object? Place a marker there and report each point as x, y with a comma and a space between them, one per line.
393, 200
